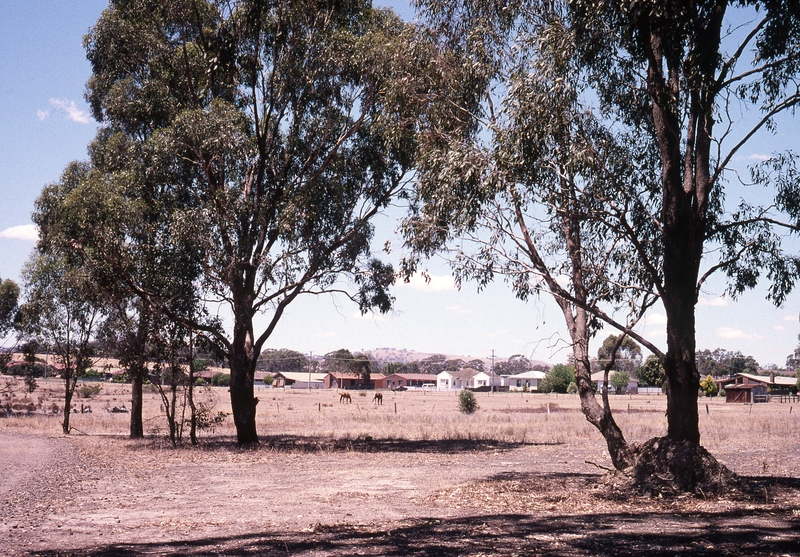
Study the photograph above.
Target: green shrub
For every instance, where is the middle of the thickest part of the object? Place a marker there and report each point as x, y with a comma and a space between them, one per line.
467, 402
709, 386
88, 391
558, 379
268, 379
572, 388
221, 380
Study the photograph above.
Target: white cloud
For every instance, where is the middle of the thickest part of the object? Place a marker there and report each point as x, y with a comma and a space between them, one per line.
27, 232
73, 112
758, 157
436, 283
779, 328
497, 333
789, 317
459, 309
736, 334
656, 319
42, 115
720, 302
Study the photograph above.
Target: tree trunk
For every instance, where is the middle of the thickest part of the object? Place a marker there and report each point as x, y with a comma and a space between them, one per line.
138, 373
243, 367
69, 391
599, 416
137, 423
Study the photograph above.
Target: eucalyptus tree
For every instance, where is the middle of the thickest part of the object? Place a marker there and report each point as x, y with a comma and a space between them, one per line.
693, 68
269, 134
534, 187
647, 212
64, 307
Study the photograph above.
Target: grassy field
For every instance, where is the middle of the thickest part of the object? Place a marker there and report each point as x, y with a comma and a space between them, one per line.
521, 476
761, 436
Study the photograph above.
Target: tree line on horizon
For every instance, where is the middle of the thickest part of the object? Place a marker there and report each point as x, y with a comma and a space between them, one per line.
575, 149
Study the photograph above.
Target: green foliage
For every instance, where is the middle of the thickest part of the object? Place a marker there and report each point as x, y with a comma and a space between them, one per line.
722, 362
268, 379
283, 360
558, 379
628, 356
572, 388
221, 379
797, 384
515, 364
467, 403
9, 298
361, 365
709, 386
200, 364
651, 373
256, 138
619, 380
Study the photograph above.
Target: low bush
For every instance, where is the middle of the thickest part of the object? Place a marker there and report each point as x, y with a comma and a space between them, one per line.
221, 380
88, 391
467, 402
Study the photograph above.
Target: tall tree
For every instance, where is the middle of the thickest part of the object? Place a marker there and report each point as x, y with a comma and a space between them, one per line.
684, 64
661, 77
530, 185
270, 135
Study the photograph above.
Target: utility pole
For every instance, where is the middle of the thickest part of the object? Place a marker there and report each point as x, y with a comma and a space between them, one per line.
310, 356
491, 381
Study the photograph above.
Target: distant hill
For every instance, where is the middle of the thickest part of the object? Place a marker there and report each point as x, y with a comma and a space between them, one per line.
405, 356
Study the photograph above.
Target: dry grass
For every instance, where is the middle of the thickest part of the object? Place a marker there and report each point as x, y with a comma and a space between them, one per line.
758, 434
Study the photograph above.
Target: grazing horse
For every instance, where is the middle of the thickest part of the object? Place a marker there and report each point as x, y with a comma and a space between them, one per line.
378, 398
345, 396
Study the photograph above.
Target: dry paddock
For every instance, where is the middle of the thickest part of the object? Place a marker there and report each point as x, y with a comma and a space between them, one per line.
524, 475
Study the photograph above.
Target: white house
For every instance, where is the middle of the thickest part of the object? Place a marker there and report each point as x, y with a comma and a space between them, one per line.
527, 381
467, 378
299, 380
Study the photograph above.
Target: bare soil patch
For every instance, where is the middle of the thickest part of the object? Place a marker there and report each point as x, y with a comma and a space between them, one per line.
413, 477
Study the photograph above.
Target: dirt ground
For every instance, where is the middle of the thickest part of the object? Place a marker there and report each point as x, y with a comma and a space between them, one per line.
307, 492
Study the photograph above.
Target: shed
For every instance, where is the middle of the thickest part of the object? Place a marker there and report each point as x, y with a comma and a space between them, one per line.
746, 393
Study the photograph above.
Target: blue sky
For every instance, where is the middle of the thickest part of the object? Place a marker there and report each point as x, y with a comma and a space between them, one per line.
44, 124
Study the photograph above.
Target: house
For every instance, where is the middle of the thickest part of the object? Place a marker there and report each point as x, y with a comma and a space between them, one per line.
466, 378
299, 380
344, 380
748, 388
526, 381
631, 389
407, 380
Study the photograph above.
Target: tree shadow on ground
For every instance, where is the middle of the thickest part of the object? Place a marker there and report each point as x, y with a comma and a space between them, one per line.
738, 532
361, 444
622, 524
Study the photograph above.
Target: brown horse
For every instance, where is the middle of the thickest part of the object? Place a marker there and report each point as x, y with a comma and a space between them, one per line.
345, 396
378, 398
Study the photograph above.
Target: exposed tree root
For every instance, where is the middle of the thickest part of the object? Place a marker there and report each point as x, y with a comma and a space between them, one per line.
666, 467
